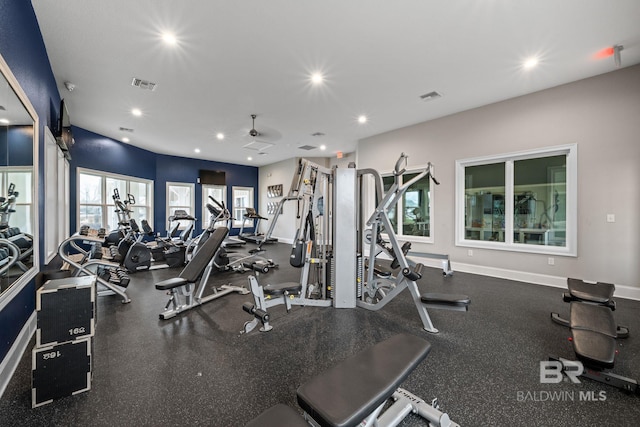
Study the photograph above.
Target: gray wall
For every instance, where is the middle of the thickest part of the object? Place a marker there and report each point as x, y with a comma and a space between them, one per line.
600, 114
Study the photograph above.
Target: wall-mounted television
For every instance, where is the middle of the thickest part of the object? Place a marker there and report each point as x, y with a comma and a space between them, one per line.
206, 177
65, 136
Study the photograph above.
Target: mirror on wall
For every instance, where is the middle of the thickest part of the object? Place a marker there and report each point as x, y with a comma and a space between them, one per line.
18, 124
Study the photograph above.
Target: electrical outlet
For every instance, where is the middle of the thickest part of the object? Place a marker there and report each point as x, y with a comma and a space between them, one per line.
470, 252
611, 217
551, 261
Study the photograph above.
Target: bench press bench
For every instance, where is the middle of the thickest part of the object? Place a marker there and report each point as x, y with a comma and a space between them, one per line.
355, 391
599, 293
594, 334
182, 289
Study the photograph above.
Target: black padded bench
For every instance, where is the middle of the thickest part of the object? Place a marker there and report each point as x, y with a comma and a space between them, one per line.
599, 293
356, 390
594, 333
183, 296
449, 301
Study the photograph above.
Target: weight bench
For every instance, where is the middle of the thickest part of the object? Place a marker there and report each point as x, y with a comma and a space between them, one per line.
355, 391
599, 293
198, 269
594, 333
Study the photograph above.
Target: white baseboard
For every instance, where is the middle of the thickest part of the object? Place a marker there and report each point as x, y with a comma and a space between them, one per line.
11, 361
523, 276
284, 240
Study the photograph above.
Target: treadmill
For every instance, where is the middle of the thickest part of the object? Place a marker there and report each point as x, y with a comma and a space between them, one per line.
257, 238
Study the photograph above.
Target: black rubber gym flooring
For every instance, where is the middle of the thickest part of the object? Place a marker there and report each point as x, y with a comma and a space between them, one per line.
197, 369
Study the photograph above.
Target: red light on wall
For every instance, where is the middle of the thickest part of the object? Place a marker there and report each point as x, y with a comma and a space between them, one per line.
339, 154
604, 53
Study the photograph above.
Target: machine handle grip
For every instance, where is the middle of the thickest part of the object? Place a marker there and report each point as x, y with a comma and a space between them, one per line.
217, 202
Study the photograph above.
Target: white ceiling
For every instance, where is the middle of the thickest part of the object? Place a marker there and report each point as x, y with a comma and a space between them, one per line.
237, 58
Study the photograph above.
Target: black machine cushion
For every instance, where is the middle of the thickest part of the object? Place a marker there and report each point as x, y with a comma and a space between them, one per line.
194, 269
278, 416
280, 288
171, 283
595, 292
446, 299
596, 318
351, 390
594, 349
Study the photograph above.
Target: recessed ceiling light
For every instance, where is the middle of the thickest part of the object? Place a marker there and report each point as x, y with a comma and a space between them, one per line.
323, 147
220, 136
316, 78
530, 63
169, 38
197, 150
136, 112
249, 158
125, 139
4, 121
362, 119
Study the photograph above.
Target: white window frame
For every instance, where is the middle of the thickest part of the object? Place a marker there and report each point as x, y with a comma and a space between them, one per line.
237, 222
571, 248
399, 208
205, 200
192, 202
107, 200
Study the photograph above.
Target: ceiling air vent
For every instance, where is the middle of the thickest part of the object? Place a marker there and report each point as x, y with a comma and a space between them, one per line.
430, 96
126, 130
143, 84
307, 147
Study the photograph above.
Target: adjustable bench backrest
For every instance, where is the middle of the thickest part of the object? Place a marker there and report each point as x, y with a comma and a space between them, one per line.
351, 390
194, 269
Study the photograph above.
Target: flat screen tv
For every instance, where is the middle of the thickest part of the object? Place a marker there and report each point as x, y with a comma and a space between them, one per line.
65, 136
206, 177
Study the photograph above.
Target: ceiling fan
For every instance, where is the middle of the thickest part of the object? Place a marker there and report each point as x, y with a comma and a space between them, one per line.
253, 132
255, 144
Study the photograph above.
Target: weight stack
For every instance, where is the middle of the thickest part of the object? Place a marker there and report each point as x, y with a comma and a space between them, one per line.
66, 322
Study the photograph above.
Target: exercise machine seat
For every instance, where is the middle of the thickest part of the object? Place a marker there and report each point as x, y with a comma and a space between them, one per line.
278, 416
594, 349
194, 269
453, 300
600, 292
350, 391
279, 289
596, 318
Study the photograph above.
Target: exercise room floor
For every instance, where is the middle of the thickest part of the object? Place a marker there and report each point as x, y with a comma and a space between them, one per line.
197, 369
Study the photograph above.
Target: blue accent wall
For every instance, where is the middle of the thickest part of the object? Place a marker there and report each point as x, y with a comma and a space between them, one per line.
97, 152
181, 169
23, 49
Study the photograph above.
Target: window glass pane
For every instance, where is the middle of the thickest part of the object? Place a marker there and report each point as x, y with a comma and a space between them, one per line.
91, 216
415, 207
242, 199
115, 184
22, 182
484, 202
219, 193
539, 201
139, 191
179, 196
90, 189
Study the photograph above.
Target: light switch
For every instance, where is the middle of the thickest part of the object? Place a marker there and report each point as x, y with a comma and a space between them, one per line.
611, 218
